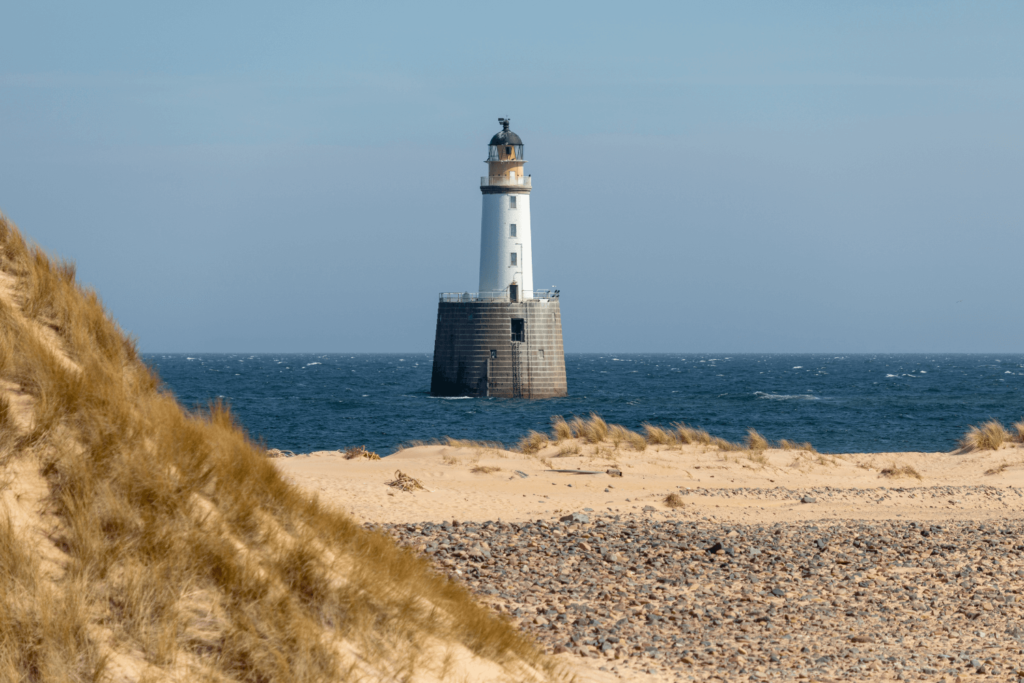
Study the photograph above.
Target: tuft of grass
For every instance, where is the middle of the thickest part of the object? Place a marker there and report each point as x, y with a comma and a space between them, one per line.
689, 435
485, 469
532, 443
724, 445
636, 441
360, 452
592, 430
657, 435
617, 434
578, 426
1018, 431
988, 437
895, 471
674, 500
787, 445
597, 429
569, 450
469, 443
758, 457
560, 429
756, 442
998, 469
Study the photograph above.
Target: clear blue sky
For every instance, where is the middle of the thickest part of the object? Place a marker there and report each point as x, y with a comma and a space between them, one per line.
724, 177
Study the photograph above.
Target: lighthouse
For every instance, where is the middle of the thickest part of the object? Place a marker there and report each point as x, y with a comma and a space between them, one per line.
505, 339
506, 253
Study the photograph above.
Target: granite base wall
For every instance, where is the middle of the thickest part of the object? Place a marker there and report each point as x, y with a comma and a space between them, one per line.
467, 333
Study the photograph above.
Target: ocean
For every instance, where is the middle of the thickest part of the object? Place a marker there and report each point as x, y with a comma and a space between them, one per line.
853, 403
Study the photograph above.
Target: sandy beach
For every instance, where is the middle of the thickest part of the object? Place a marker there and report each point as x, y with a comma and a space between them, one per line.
768, 565
481, 483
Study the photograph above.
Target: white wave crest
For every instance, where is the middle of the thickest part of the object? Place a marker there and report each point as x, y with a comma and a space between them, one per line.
786, 397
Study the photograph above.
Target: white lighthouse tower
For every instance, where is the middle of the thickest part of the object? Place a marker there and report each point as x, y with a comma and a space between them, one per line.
506, 339
506, 254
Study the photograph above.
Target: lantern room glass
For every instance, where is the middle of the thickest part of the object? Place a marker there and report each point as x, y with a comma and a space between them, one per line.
504, 153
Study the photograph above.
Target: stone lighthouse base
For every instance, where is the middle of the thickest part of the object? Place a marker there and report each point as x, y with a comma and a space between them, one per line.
499, 348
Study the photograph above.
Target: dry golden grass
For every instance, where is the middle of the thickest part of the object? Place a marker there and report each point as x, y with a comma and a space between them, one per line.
177, 534
689, 435
657, 436
484, 469
756, 442
895, 471
758, 457
360, 452
560, 429
592, 430
636, 441
43, 631
724, 445
788, 445
998, 469
569, 450
597, 429
1018, 431
469, 443
988, 437
532, 443
674, 500
617, 434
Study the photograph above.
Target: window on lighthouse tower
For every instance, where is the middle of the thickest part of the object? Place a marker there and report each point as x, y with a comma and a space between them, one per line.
512, 230
514, 257
511, 201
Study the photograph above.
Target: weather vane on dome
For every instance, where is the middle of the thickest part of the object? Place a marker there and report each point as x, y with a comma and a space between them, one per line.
504, 123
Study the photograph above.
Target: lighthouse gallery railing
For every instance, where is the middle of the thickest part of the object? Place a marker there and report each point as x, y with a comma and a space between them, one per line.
503, 181
501, 295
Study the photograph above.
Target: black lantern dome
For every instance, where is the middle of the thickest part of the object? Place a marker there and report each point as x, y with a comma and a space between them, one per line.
505, 145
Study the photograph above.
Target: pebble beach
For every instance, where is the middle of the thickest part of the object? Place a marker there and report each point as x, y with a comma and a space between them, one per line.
692, 600
795, 567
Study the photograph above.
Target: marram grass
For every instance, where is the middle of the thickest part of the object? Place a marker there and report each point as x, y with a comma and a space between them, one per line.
177, 537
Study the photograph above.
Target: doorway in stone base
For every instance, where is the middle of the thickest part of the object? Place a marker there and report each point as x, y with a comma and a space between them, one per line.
518, 329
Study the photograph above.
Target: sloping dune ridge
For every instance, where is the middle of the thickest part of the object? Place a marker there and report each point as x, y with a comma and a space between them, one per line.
140, 541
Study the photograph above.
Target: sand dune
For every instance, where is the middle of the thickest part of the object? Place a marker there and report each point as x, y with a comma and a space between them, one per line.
140, 541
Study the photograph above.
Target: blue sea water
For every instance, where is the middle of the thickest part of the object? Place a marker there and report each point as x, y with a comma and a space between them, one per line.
856, 403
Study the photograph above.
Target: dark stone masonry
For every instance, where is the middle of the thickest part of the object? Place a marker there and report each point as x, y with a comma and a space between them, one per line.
499, 348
